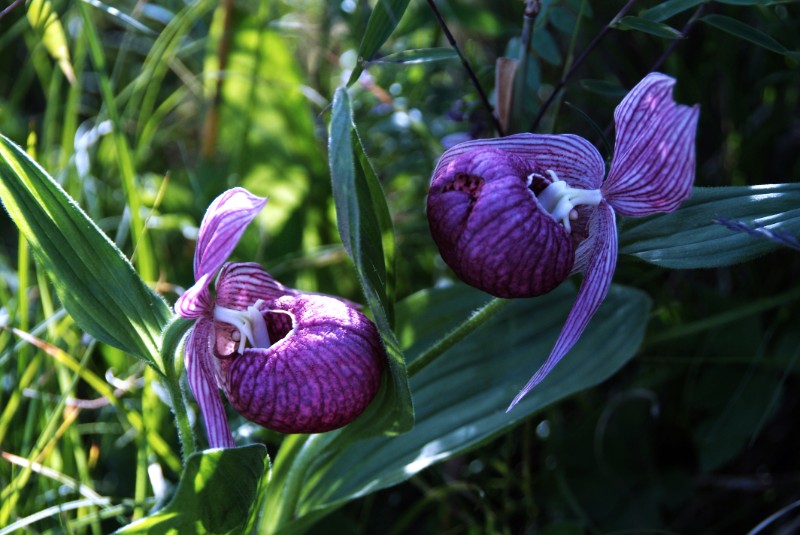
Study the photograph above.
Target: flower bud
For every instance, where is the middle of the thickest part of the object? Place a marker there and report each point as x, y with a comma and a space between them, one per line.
492, 230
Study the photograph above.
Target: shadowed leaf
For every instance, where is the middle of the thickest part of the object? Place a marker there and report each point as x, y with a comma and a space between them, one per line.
95, 282
691, 237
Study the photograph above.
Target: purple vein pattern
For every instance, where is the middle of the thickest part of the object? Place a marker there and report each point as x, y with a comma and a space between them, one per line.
292, 361
515, 216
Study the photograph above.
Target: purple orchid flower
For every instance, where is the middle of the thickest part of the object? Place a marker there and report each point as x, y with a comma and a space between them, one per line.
516, 216
292, 361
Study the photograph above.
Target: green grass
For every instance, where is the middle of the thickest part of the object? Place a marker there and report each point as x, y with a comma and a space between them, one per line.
696, 434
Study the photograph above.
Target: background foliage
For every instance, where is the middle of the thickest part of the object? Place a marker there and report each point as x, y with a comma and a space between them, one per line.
145, 111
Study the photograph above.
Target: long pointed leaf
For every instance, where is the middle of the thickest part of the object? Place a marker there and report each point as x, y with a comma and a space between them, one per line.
461, 398
382, 22
692, 238
748, 33
95, 282
362, 218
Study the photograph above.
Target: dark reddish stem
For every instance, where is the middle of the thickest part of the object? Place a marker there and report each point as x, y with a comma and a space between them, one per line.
578, 62
468, 67
684, 32
8, 10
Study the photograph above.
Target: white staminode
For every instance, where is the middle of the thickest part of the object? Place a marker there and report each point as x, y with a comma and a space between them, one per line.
250, 323
559, 200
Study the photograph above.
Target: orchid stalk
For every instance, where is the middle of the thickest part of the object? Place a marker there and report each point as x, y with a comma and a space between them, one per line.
516, 216
289, 360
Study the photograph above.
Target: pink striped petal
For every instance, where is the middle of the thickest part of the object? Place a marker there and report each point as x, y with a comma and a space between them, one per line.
654, 158
574, 159
221, 228
196, 301
241, 284
599, 254
200, 366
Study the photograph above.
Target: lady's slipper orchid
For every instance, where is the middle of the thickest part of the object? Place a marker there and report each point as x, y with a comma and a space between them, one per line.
291, 361
515, 216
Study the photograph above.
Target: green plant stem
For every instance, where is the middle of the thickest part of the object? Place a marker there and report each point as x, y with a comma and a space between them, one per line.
171, 344
478, 318
184, 426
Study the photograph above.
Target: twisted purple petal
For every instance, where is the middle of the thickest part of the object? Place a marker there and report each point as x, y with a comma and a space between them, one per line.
221, 228
599, 254
653, 166
196, 301
574, 159
201, 375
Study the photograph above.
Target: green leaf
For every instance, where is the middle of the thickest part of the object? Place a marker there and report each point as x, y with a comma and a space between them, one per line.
43, 18
689, 237
383, 218
545, 46
382, 21
763, 3
95, 282
461, 398
365, 227
658, 29
419, 55
668, 9
214, 495
746, 32
604, 87
115, 14
265, 134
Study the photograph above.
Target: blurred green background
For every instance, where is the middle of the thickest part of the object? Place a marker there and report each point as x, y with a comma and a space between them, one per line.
172, 102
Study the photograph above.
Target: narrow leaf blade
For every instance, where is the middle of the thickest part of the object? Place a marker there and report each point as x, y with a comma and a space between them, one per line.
692, 238
746, 32
45, 21
95, 282
365, 226
659, 29
384, 19
668, 9
418, 55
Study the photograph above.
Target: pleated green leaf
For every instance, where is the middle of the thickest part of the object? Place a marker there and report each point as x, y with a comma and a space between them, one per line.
382, 21
659, 29
366, 229
748, 33
418, 55
95, 282
461, 398
215, 493
691, 237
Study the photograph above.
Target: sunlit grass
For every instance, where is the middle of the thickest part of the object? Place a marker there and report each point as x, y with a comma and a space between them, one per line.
173, 102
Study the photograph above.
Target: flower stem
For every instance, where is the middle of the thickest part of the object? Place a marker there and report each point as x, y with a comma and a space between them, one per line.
184, 426
470, 72
478, 318
578, 62
171, 343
